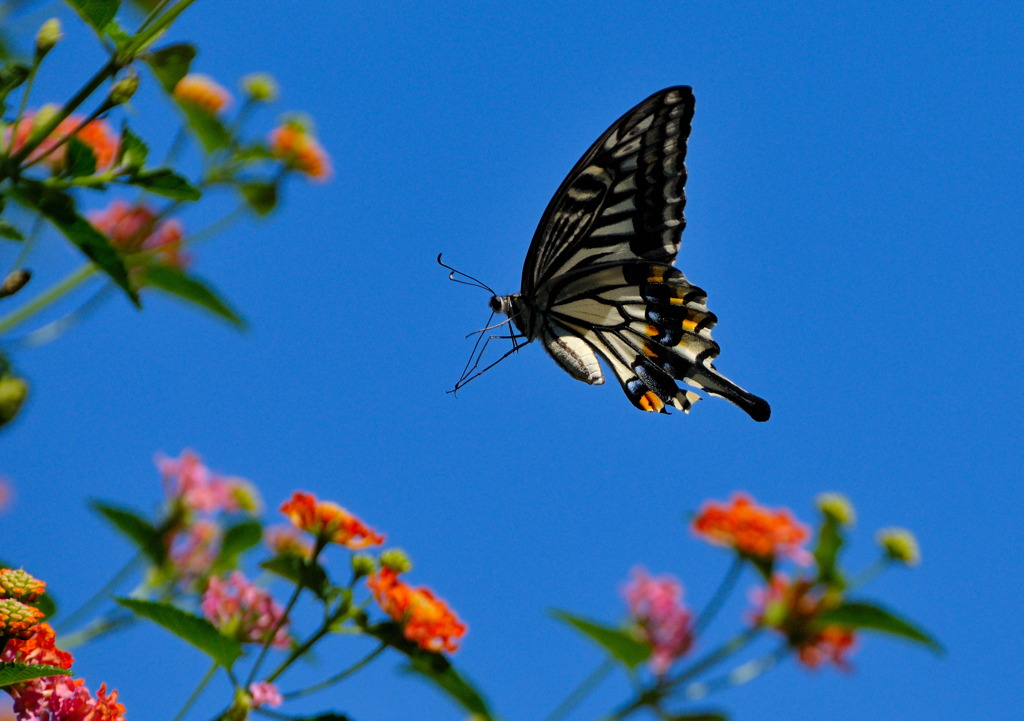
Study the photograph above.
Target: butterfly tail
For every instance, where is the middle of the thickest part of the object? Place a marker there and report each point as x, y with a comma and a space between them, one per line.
716, 384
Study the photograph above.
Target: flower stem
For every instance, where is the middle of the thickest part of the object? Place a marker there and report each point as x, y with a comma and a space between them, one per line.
740, 675
148, 32
718, 599
586, 687
720, 654
67, 136
21, 107
195, 694
337, 678
870, 573
100, 626
101, 594
50, 296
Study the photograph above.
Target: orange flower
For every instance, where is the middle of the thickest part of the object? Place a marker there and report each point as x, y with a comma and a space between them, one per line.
792, 608
426, 619
203, 92
751, 529
39, 648
97, 134
329, 522
299, 150
18, 619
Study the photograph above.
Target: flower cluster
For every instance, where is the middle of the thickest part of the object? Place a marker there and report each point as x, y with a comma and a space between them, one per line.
202, 92
793, 608
329, 522
137, 229
187, 480
97, 135
245, 612
752, 530
426, 619
293, 143
49, 697
660, 618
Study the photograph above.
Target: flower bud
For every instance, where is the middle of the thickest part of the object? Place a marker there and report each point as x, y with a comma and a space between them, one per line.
14, 282
899, 545
20, 586
837, 507
260, 87
17, 619
48, 36
13, 392
363, 564
396, 560
124, 88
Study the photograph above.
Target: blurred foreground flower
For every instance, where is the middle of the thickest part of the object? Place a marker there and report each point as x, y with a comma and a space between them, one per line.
245, 612
793, 609
426, 619
660, 618
265, 694
329, 522
96, 134
203, 92
137, 228
293, 143
752, 530
197, 488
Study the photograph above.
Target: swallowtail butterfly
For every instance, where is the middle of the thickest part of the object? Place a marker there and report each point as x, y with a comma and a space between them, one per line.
599, 278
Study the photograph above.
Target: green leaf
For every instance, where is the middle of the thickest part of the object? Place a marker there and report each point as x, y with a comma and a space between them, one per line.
171, 63
872, 617
81, 161
10, 232
434, 667
830, 541
47, 605
704, 716
96, 12
616, 641
238, 539
298, 571
132, 152
11, 673
12, 74
191, 628
59, 208
116, 32
190, 288
250, 153
165, 182
136, 528
211, 132
260, 195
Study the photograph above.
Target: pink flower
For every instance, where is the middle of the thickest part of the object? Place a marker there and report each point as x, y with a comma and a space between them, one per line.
655, 605
198, 488
138, 228
244, 612
194, 550
265, 693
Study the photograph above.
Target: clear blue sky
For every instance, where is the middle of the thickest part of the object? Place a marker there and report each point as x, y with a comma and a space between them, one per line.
854, 212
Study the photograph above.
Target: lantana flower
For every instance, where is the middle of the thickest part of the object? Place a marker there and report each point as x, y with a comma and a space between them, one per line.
660, 618
194, 549
752, 530
203, 92
286, 541
96, 134
199, 489
426, 619
265, 694
793, 608
17, 619
293, 143
329, 522
17, 584
137, 228
243, 611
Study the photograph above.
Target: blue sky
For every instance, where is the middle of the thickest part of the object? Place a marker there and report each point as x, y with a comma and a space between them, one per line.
854, 213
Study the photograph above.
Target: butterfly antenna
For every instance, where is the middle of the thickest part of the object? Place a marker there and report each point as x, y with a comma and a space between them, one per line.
476, 282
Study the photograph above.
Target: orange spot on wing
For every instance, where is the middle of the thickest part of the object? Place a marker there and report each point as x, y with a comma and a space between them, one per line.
651, 331
689, 325
656, 275
650, 402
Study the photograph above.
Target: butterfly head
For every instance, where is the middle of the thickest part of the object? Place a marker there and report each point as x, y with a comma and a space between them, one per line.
516, 309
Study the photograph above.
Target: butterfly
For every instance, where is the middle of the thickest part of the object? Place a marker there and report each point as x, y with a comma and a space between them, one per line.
599, 279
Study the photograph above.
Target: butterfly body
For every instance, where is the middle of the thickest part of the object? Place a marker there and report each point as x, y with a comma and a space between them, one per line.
599, 279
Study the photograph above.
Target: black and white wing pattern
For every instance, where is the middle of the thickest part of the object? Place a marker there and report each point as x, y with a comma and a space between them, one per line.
599, 279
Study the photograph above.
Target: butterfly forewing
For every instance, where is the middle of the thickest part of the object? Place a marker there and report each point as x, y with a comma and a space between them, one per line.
624, 199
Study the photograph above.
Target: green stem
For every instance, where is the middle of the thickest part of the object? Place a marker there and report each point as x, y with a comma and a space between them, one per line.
44, 300
870, 573
270, 638
195, 694
337, 678
740, 675
585, 688
30, 241
720, 654
718, 599
101, 594
100, 626
217, 226
157, 9
147, 34
22, 106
